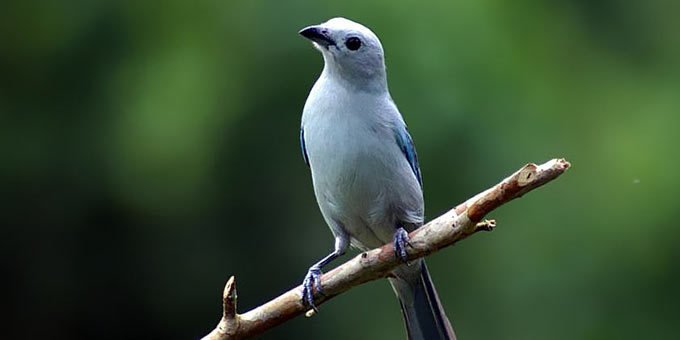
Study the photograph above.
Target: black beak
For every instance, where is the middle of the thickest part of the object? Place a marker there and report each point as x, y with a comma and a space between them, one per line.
318, 35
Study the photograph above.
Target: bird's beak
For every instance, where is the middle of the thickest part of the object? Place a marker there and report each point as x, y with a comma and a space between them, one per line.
318, 35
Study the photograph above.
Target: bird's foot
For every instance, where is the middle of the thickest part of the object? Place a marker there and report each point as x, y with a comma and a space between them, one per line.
309, 284
400, 242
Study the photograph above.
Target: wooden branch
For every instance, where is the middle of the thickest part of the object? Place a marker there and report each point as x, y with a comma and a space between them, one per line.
449, 228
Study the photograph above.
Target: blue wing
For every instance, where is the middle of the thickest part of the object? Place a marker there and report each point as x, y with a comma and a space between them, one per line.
302, 146
409, 150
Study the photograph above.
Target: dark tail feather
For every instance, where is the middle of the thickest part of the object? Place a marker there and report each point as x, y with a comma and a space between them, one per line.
423, 312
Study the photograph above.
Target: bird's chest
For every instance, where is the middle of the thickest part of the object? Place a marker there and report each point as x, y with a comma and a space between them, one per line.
348, 157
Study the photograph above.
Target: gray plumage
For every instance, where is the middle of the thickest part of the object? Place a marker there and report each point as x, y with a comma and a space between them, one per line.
364, 166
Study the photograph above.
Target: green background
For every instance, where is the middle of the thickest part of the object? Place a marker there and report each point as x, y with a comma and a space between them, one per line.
150, 150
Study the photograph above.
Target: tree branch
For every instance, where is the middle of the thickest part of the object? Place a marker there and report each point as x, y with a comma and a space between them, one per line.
447, 229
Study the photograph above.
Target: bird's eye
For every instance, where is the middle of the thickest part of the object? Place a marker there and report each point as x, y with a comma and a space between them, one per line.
353, 43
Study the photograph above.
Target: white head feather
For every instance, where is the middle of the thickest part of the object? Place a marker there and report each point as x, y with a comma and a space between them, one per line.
350, 50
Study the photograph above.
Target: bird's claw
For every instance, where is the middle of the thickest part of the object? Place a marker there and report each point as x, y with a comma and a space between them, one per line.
400, 242
309, 284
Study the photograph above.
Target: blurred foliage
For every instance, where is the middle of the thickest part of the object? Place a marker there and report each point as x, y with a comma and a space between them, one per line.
149, 150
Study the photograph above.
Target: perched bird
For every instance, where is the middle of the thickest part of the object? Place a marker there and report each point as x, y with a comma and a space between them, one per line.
364, 167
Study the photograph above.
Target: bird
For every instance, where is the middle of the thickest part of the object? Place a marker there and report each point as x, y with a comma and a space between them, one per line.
364, 168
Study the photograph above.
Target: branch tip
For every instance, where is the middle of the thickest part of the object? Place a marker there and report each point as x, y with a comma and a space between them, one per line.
558, 164
229, 298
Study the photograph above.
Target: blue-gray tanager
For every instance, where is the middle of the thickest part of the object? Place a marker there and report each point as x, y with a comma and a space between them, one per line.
364, 167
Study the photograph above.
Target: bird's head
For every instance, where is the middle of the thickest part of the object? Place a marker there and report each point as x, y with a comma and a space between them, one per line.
350, 50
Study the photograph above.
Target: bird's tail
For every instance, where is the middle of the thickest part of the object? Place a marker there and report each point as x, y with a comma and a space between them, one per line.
423, 312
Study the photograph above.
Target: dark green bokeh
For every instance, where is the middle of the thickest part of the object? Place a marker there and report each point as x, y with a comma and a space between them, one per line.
150, 150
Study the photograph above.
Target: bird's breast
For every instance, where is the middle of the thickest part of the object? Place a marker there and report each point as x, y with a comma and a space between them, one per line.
345, 154
356, 165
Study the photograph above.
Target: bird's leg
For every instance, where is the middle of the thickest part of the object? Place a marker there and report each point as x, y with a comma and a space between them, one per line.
312, 279
400, 242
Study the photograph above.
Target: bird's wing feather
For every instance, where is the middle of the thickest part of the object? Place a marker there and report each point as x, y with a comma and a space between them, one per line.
409, 150
302, 146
